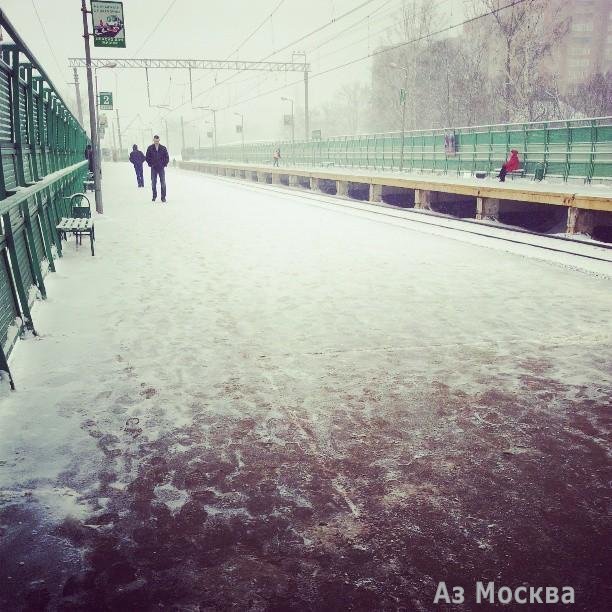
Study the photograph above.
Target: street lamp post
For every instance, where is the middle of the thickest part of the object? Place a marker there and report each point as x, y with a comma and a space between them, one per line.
292, 120
162, 118
97, 143
214, 113
241, 132
403, 96
92, 109
166, 127
292, 128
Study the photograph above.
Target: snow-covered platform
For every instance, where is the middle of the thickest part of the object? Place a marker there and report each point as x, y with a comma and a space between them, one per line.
247, 400
554, 191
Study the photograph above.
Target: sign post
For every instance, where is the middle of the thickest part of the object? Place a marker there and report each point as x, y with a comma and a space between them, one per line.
92, 113
105, 100
108, 24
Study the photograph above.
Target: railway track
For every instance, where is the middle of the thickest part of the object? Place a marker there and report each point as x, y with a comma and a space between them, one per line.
600, 252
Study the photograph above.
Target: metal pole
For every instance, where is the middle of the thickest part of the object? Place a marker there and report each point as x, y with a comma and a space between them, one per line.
182, 134
114, 142
401, 167
119, 134
306, 114
214, 112
292, 124
292, 134
98, 155
78, 96
92, 111
242, 134
167, 141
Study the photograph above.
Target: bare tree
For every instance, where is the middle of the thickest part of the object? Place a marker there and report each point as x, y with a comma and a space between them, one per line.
345, 114
593, 98
522, 38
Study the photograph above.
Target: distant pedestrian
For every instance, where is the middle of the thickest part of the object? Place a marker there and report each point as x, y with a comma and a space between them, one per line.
157, 158
512, 164
89, 156
137, 158
276, 156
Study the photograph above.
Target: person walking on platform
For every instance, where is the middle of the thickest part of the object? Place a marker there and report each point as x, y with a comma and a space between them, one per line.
157, 158
276, 156
137, 158
89, 156
512, 164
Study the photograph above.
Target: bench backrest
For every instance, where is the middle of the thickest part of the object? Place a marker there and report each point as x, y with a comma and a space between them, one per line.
80, 206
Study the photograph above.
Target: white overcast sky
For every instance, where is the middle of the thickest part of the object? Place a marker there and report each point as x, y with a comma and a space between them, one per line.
207, 29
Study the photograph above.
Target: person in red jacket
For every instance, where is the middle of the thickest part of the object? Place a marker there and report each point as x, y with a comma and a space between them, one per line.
512, 164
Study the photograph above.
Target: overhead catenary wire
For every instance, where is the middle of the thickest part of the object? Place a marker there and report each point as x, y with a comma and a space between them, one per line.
246, 40
318, 46
335, 37
301, 38
146, 40
44, 31
379, 51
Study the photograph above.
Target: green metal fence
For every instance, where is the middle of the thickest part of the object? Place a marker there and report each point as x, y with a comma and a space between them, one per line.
41, 162
566, 149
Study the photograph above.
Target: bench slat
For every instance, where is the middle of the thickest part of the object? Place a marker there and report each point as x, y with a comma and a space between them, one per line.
75, 224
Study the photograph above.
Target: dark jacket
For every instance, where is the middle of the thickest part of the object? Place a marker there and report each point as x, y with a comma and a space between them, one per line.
89, 158
137, 157
157, 159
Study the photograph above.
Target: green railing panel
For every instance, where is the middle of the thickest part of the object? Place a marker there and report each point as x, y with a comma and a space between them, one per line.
581, 148
23, 260
8, 307
38, 136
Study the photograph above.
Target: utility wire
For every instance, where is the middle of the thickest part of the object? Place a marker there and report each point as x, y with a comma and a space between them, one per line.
315, 31
44, 31
146, 40
246, 40
319, 29
261, 25
382, 50
331, 39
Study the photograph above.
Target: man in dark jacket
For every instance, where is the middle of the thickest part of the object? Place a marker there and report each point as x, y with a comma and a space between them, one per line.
157, 158
137, 158
89, 156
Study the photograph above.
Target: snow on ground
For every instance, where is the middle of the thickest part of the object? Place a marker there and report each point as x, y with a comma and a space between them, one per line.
248, 400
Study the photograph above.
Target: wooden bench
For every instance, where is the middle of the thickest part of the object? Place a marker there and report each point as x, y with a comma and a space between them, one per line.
520, 172
88, 183
80, 222
78, 227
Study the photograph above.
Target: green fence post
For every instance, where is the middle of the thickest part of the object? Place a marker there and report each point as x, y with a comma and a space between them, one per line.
568, 151
16, 115
31, 127
42, 140
27, 217
53, 220
47, 230
5, 367
594, 136
24, 309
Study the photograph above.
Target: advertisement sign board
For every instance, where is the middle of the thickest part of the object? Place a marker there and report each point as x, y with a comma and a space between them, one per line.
108, 26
